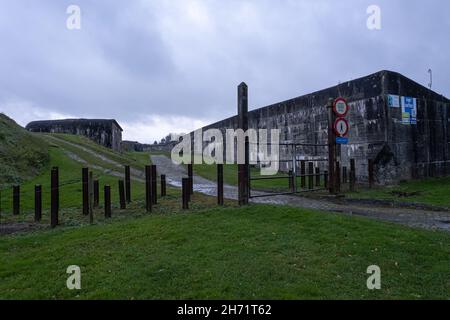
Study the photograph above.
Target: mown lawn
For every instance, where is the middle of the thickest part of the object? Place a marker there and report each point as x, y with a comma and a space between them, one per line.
256, 252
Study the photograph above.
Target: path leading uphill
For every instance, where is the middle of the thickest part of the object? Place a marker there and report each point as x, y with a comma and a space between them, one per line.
411, 217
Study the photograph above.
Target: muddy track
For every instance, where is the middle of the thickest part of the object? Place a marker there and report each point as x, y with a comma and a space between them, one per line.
411, 217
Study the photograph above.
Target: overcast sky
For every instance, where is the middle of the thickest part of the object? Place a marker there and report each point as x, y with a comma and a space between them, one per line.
172, 66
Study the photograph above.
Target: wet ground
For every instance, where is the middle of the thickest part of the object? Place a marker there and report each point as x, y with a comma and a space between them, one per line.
412, 217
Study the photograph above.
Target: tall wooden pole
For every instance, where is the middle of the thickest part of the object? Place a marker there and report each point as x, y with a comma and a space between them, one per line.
331, 148
243, 169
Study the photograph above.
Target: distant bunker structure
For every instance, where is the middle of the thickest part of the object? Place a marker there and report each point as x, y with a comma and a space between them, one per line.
399, 124
106, 132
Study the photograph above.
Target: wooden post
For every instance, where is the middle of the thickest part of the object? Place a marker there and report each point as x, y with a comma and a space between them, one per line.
37, 203
57, 186
85, 181
317, 177
344, 175
337, 177
154, 185
303, 174
310, 175
107, 197
163, 185
352, 175
128, 184
96, 193
191, 178
185, 193
91, 197
123, 205
148, 188
220, 200
331, 147
243, 168
325, 179
16, 200
54, 199
371, 178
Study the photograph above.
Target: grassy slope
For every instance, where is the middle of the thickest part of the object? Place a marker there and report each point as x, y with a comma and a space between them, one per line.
261, 252
22, 154
70, 178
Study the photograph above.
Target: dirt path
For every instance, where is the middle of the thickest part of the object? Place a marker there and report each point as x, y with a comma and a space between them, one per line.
415, 218
138, 175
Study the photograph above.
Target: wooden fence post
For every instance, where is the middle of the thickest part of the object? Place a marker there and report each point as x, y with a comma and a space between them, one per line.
163, 185
57, 187
191, 178
37, 203
96, 193
352, 174
220, 201
54, 199
85, 182
107, 197
154, 185
16, 200
337, 180
185, 193
91, 197
123, 205
128, 184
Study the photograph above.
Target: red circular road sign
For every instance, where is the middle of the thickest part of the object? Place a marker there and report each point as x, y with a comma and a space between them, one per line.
341, 127
340, 107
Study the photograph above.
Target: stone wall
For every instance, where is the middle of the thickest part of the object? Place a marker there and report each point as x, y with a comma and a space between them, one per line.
400, 151
105, 132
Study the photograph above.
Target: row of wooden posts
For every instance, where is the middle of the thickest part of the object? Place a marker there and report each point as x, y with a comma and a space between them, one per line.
314, 175
91, 193
91, 189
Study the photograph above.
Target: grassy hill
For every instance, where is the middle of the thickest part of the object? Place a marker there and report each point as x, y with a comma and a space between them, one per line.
22, 154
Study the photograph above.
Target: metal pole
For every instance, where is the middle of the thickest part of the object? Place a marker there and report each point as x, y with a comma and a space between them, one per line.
91, 197
163, 185
148, 188
96, 193
154, 185
352, 174
243, 169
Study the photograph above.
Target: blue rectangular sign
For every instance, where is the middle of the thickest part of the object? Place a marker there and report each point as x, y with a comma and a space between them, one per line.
341, 140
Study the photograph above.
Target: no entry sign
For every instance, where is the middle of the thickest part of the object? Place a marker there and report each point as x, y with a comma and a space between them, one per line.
341, 127
340, 107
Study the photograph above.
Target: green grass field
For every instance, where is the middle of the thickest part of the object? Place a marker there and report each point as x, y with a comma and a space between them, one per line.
257, 252
434, 191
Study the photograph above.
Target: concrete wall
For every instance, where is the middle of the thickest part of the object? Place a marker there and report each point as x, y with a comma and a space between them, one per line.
400, 151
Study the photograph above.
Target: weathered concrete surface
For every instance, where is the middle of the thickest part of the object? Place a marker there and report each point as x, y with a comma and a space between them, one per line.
107, 133
439, 220
399, 151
